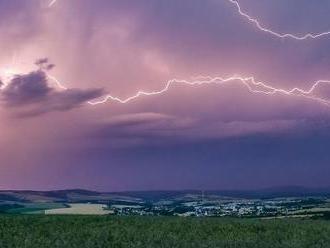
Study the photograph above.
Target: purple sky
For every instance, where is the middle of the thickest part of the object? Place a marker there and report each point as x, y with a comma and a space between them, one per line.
206, 136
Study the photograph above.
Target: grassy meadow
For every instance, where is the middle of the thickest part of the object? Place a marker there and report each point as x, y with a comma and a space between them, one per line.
31, 231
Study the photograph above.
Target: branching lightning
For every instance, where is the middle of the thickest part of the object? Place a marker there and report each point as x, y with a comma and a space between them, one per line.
273, 33
250, 83
260, 26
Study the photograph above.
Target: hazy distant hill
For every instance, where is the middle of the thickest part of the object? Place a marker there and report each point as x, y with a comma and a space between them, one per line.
73, 196
136, 197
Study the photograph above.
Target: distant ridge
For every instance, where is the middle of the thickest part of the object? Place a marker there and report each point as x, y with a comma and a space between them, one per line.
81, 195
274, 192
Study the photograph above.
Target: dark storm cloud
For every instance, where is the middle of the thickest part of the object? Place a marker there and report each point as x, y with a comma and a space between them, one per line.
26, 89
157, 129
142, 128
189, 137
254, 160
31, 95
44, 64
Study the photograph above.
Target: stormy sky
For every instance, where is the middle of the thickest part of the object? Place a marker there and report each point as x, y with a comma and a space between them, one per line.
59, 64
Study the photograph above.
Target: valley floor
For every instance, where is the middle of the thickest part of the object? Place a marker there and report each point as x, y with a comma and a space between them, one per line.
33, 231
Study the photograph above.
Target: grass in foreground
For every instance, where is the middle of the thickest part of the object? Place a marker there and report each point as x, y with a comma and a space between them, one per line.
24, 231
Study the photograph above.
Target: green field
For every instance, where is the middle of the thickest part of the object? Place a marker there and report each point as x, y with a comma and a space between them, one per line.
96, 231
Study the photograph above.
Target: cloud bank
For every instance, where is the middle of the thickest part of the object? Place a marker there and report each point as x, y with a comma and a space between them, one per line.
31, 95
203, 136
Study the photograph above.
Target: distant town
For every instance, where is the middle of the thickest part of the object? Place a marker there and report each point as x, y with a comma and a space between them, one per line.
257, 204
279, 207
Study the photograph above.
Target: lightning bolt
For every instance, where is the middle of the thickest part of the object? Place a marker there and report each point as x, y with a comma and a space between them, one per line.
256, 23
250, 83
253, 86
56, 81
52, 3
262, 28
